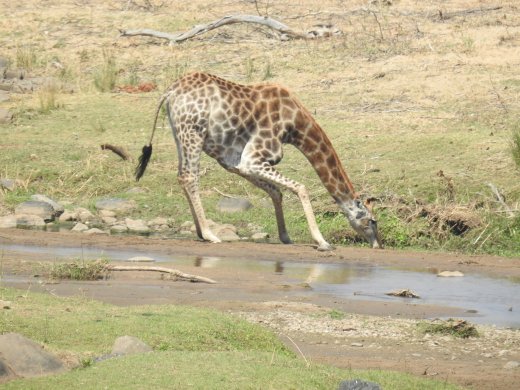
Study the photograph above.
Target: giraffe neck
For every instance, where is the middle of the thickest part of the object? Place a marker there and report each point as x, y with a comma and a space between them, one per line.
318, 149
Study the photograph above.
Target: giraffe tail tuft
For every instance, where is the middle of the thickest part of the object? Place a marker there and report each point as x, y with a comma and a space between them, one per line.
143, 161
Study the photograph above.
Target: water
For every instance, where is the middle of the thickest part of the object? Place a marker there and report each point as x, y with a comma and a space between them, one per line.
487, 299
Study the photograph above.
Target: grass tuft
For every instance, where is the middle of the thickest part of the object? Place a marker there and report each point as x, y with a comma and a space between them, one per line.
48, 96
105, 76
457, 328
515, 146
80, 270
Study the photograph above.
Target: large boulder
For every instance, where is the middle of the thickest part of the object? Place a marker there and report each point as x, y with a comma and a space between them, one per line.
29, 221
38, 208
127, 345
23, 357
58, 208
8, 221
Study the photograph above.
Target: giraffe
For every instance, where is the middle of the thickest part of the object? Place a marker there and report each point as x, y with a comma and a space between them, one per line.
243, 127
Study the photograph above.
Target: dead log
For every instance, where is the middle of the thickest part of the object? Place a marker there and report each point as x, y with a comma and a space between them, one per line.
285, 31
117, 150
175, 274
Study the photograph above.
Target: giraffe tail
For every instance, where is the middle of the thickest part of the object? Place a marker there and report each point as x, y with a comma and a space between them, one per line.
146, 153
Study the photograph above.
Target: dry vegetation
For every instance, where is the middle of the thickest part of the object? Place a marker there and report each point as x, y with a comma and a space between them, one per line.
419, 98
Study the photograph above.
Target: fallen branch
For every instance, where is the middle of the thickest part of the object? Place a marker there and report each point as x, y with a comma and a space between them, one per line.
449, 15
117, 150
500, 198
175, 274
285, 31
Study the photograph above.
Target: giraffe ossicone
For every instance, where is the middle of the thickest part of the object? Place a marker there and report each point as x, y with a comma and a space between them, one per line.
244, 127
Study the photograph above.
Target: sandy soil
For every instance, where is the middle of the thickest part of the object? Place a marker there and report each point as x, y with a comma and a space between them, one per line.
371, 335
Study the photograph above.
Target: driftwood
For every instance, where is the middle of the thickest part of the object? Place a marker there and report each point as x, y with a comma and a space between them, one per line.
285, 31
117, 150
175, 274
449, 15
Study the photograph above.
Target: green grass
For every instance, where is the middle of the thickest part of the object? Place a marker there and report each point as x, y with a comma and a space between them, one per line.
193, 348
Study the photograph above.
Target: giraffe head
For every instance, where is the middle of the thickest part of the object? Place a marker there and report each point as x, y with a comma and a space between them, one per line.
359, 214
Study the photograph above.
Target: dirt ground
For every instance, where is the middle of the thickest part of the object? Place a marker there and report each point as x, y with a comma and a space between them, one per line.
371, 335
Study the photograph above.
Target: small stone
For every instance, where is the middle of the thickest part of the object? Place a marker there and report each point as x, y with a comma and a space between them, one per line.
84, 215
107, 213
118, 229
127, 345
109, 220
356, 344
5, 304
141, 259
8, 184
260, 237
158, 221
449, 274
187, 225
233, 205
511, 365
5, 116
226, 233
79, 227
137, 226
68, 215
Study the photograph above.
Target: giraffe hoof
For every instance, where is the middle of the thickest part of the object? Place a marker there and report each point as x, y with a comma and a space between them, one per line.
324, 247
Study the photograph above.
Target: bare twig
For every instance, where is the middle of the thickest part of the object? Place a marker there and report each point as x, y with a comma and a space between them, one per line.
117, 150
173, 272
449, 15
299, 350
224, 194
500, 198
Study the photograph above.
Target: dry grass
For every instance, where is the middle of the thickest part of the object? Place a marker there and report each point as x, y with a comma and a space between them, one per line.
409, 90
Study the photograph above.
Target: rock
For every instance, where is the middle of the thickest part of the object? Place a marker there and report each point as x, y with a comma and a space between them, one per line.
35, 207
260, 237
233, 205
79, 227
449, 274
141, 259
118, 229
109, 220
68, 216
58, 208
358, 384
5, 116
84, 215
94, 231
5, 371
137, 226
158, 221
115, 204
126, 345
225, 232
511, 365
106, 213
18, 74
29, 221
8, 221
359, 345
187, 225
25, 358
8, 184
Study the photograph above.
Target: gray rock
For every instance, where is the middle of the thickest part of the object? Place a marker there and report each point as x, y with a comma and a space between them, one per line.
137, 226
233, 205
158, 221
260, 237
8, 221
5, 304
80, 227
18, 74
116, 205
358, 384
126, 345
5, 116
8, 184
35, 207
511, 365
118, 229
58, 208
109, 220
29, 221
4, 370
25, 358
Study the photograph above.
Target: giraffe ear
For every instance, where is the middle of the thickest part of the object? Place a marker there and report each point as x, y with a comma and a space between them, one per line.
369, 203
